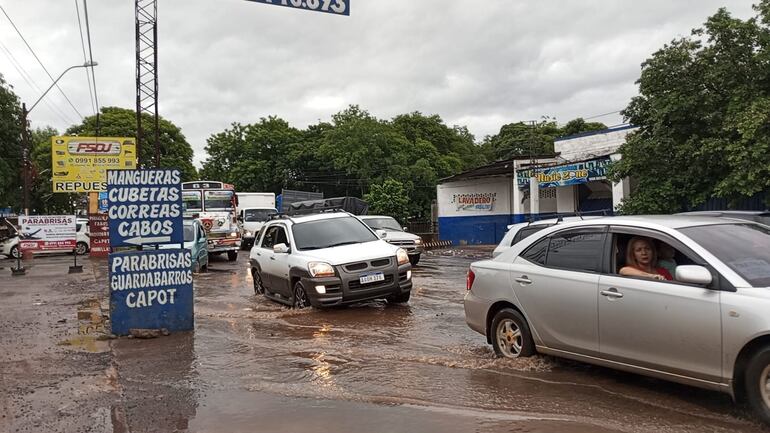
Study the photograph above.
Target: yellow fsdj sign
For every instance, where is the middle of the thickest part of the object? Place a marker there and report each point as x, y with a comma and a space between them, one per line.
80, 164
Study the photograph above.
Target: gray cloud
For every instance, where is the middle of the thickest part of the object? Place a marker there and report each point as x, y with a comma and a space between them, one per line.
480, 64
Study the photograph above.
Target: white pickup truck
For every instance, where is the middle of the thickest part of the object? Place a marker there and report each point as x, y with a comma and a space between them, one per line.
254, 208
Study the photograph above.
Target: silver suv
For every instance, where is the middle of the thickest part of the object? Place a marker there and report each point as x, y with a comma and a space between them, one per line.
599, 291
325, 260
394, 234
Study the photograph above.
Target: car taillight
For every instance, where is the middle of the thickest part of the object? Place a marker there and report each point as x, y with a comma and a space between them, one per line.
469, 279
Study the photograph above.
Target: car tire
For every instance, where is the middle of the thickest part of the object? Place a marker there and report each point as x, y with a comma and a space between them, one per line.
757, 383
401, 298
259, 286
196, 267
232, 256
414, 259
300, 299
81, 248
15, 253
511, 337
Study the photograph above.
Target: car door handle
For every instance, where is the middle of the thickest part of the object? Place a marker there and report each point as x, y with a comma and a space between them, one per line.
523, 280
272, 258
611, 293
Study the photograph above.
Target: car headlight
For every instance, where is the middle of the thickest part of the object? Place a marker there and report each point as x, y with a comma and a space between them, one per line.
402, 256
234, 234
320, 269
247, 233
418, 241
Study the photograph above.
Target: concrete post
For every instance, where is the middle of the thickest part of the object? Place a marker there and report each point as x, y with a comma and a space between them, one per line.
565, 199
620, 191
534, 196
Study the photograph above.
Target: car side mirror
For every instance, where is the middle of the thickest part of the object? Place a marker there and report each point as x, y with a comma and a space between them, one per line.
280, 248
693, 274
405, 229
382, 234
240, 218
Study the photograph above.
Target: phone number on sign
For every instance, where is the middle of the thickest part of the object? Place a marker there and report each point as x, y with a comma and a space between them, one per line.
341, 7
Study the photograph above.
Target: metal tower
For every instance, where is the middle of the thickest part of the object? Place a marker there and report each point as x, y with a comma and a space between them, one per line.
146, 71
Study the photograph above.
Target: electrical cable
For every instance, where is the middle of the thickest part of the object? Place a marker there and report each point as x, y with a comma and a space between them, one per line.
33, 85
85, 59
91, 57
40, 62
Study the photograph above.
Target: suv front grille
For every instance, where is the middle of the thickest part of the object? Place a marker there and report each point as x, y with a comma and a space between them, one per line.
360, 266
402, 243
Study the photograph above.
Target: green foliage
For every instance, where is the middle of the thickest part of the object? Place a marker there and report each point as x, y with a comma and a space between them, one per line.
524, 139
345, 157
10, 147
389, 198
704, 117
175, 151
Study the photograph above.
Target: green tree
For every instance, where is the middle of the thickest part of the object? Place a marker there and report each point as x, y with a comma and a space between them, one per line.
704, 117
175, 151
10, 147
391, 198
256, 157
579, 125
42, 198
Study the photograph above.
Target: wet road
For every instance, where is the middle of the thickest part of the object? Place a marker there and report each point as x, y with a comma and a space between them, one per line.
254, 365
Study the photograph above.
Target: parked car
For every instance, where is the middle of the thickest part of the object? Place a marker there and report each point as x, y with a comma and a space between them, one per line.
396, 235
196, 241
10, 246
760, 216
559, 292
519, 231
327, 259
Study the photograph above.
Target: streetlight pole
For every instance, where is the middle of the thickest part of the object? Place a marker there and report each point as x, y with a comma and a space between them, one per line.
25, 135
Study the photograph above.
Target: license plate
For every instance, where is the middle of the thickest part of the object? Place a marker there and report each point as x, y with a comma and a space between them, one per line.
371, 278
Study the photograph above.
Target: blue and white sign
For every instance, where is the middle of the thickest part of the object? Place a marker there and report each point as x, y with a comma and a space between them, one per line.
338, 7
151, 290
145, 207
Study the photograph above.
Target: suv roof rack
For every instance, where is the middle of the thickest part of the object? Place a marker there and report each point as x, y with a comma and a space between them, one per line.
279, 216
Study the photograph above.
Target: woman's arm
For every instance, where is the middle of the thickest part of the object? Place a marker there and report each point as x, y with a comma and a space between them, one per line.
630, 271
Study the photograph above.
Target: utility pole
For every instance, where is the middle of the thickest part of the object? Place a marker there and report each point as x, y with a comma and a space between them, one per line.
25, 131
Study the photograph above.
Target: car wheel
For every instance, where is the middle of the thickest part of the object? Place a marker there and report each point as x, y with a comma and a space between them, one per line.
256, 277
300, 296
15, 252
401, 298
81, 248
232, 256
196, 268
758, 383
510, 335
414, 259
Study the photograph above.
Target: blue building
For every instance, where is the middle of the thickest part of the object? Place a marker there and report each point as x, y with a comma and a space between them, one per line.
476, 207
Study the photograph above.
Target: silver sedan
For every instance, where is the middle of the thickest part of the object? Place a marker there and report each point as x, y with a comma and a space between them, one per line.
681, 298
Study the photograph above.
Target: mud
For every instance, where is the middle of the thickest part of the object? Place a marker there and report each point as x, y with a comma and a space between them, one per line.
253, 365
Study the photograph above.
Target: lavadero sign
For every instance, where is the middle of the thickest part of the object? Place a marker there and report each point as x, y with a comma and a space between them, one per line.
144, 207
568, 174
151, 290
480, 201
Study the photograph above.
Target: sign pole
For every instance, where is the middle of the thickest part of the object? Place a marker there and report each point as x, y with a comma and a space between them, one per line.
25, 156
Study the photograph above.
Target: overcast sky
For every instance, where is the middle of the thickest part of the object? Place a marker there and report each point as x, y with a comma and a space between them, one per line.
475, 63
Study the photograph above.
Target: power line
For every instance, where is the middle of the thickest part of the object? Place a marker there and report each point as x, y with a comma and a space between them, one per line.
602, 115
91, 57
32, 84
40, 62
83, 46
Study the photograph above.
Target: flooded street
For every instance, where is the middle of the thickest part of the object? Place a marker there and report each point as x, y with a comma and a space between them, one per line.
254, 365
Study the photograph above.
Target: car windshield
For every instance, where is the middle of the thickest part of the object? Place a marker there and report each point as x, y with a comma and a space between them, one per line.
386, 223
331, 232
218, 200
189, 232
191, 201
745, 248
258, 215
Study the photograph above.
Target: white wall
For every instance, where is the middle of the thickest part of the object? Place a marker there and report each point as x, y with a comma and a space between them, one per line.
448, 195
565, 199
580, 148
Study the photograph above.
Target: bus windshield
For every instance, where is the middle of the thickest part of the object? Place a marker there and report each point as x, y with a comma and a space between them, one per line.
218, 200
191, 201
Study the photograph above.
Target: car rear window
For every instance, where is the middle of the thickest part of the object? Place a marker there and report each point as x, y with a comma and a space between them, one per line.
744, 248
528, 231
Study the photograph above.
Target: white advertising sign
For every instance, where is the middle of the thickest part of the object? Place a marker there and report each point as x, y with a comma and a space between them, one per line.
47, 232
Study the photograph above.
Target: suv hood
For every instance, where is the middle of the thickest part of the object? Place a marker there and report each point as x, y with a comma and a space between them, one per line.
352, 253
253, 226
400, 236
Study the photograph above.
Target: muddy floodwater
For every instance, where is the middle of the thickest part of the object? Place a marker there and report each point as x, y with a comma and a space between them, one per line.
252, 365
